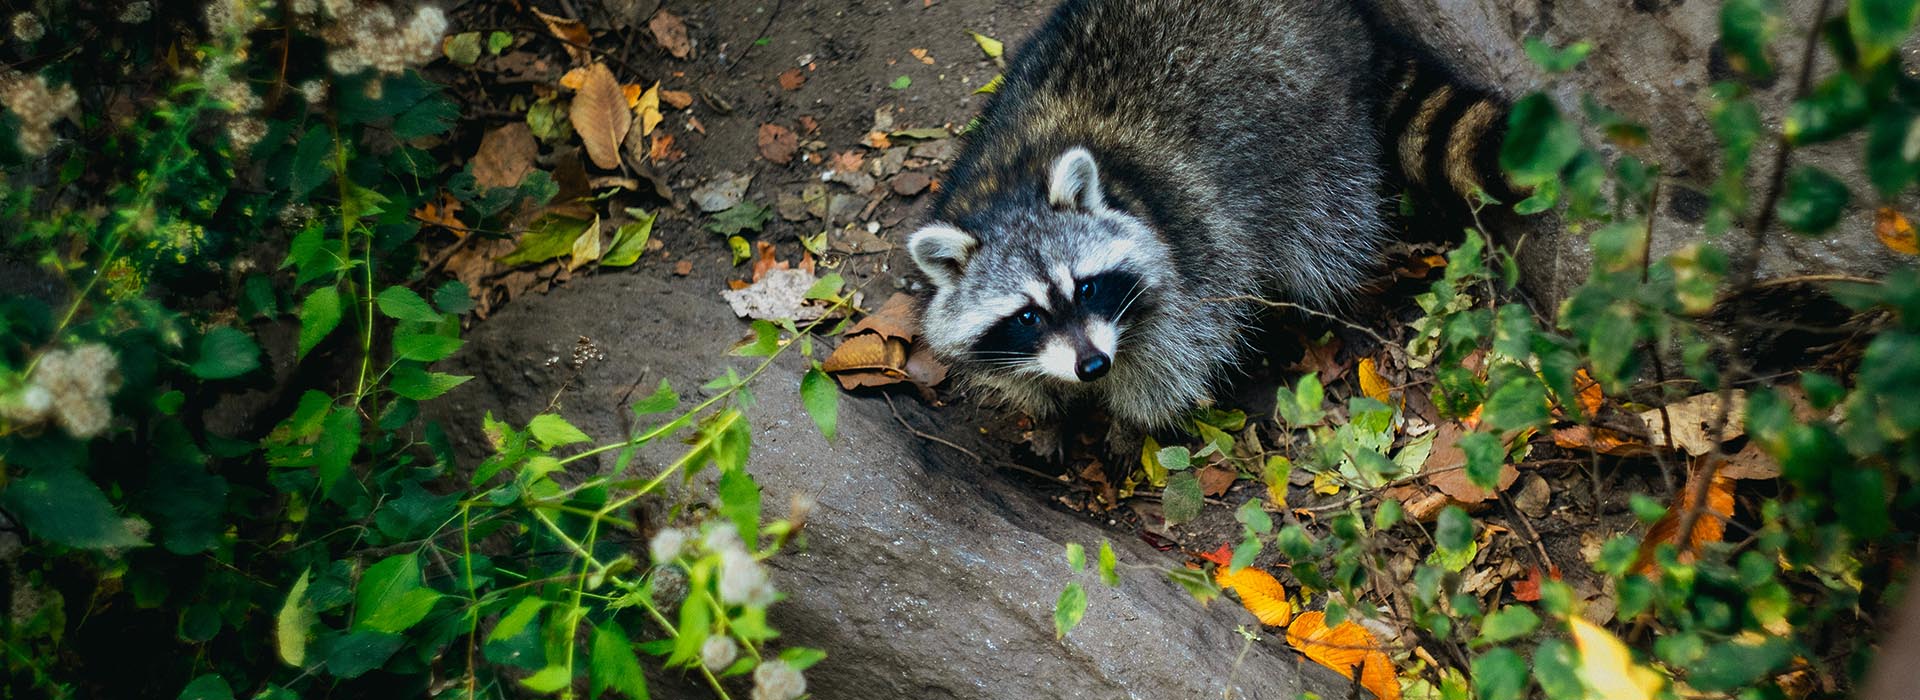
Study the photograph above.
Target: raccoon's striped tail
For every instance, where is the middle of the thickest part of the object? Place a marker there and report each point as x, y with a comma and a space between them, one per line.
1446, 138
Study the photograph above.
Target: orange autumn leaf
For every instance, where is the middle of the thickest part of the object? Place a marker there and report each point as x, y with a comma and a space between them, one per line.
1895, 231
1709, 527
1372, 384
1343, 648
442, 212
1589, 397
1259, 591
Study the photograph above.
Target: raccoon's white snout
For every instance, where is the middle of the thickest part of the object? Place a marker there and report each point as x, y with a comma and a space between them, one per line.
1080, 357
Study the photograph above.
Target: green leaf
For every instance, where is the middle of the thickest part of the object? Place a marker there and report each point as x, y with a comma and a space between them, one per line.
310, 167
1068, 611
1878, 27
59, 504
900, 83
291, 625
1175, 458
612, 664
1520, 402
1510, 622
549, 237
207, 687
553, 431
517, 618
1893, 151
1300, 406
1837, 106
821, 399
1557, 60
1485, 454
1729, 666
1108, 563
1539, 143
390, 598
1746, 26
1500, 674
740, 502
1076, 556
1813, 200
226, 353
412, 382
1254, 516
1453, 541
661, 400
549, 680
1554, 667
630, 240
498, 41
424, 347
745, 216
802, 658
462, 48
403, 304
1181, 501
433, 115
766, 341
453, 297
319, 315
339, 442
358, 652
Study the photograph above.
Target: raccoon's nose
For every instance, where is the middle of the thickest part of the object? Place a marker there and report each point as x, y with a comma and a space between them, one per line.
1093, 366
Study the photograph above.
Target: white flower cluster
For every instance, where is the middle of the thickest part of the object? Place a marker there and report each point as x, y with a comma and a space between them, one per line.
778, 680
27, 28
38, 106
69, 387
136, 12
371, 35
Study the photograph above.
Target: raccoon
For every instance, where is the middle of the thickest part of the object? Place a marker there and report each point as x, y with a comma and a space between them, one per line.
1147, 172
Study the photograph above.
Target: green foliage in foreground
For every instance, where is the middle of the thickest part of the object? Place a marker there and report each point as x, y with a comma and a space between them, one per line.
337, 548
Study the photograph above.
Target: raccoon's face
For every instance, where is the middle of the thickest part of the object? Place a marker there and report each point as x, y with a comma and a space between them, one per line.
1051, 290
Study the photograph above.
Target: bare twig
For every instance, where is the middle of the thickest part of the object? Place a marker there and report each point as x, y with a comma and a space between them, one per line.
1310, 311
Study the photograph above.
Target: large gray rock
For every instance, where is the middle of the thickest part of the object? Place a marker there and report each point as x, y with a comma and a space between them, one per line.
1653, 61
925, 575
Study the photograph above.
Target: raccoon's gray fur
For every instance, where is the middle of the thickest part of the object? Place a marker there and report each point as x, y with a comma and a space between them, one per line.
1192, 155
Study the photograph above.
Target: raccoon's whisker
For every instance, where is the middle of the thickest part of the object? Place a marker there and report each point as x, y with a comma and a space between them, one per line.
1133, 295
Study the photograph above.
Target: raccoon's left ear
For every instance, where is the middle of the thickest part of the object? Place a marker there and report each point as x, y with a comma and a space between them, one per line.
941, 251
1076, 182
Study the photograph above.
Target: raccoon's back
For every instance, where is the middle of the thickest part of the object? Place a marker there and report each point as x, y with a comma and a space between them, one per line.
1242, 129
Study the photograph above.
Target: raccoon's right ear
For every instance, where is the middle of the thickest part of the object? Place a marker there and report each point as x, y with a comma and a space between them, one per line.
1075, 182
941, 251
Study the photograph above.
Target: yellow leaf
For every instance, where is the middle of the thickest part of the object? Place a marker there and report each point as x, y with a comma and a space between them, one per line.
1326, 483
1372, 384
1150, 461
573, 79
988, 45
1608, 668
1259, 591
587, 248
992, 86
649, 109
1895, 231
1344, 647
599, 113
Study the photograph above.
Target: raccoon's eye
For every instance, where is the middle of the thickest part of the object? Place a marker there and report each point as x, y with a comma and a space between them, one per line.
1028, 317
1087, 289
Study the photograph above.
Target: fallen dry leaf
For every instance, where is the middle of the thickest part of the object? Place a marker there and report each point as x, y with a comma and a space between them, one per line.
1261, 593
777, 143
505, 157
443, 212
671, 32
779, 295
896, 318
573, 78
1895, 231
683, 268
909, 183
809, 125
764, 260
648, 106
677, 99
1693, 419
600, 115
661, 149
1709, 527
792, 78
572, 33
846, 162
1446, 463
1342, 648
868, 352
1215, 480
1322, 359
1372, 384
923, 55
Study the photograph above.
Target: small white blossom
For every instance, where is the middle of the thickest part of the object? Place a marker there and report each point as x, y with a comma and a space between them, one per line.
777, 680
137, 12
722, 537
718, 652
667, 545
744, 581
78, 383
27, 28
38, 106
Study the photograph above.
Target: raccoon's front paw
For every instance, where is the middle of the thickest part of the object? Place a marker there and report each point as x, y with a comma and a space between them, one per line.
1048, 443
1123, 444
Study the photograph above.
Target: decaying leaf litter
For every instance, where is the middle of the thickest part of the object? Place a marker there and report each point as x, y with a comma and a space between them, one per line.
605, 145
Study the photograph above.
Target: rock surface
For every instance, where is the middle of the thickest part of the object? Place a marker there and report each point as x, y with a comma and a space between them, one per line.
926, 575
1653, 61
